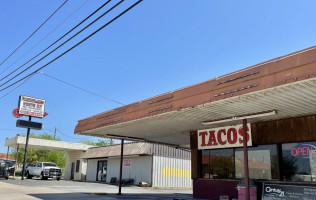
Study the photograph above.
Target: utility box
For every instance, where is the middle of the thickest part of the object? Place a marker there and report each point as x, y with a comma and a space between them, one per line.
242, 190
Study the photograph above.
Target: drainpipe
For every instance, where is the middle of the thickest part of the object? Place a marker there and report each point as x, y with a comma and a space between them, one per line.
246, 169
121, 167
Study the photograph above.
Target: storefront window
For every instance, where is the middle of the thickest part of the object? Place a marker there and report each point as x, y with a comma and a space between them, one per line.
262, 162
297, 165
218, 164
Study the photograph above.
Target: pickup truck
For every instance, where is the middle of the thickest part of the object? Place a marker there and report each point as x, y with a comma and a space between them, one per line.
44, 170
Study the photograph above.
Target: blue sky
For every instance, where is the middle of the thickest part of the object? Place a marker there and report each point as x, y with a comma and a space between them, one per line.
159, 46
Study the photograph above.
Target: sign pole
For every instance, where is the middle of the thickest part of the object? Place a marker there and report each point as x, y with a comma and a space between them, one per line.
25, 152
246, 169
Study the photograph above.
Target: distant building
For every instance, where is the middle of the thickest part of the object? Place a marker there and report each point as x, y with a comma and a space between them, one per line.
3, 156
156, 164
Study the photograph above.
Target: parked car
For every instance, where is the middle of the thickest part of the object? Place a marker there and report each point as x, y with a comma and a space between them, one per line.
44, 170
3, 170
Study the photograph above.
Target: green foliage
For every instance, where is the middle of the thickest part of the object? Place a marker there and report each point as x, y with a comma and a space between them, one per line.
100, 142
35, 155
87, 141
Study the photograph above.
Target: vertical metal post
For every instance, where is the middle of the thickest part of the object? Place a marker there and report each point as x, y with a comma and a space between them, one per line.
25, 152
121, 167
16, 160
7, 165
246, 169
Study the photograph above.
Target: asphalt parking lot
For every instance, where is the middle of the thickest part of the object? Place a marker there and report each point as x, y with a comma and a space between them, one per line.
53, 189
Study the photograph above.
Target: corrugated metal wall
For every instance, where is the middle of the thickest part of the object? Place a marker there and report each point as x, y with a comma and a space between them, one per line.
171, 172
140, 169
168, 151
92, 165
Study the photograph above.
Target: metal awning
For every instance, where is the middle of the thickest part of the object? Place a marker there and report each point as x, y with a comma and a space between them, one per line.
289, 100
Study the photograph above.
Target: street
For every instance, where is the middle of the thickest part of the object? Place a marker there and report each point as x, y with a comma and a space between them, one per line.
52, 189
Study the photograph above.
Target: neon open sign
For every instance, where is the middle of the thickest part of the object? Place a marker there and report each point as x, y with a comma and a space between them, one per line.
302, 151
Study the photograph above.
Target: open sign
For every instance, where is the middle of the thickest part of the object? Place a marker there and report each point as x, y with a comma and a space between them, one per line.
224, 137
303, 150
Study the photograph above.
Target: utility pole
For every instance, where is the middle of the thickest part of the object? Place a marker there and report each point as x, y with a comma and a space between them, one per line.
55, 134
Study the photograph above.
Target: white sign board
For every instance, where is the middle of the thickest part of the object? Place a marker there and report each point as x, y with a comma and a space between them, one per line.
31, 106
223, 137
312, 161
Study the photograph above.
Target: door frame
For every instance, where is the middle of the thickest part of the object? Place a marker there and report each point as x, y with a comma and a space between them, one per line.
98, 168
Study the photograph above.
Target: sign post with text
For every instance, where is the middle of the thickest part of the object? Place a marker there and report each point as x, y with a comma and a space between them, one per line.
31, 107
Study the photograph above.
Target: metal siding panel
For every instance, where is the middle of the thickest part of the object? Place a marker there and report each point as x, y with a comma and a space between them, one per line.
92, 170
140, 169
174, 172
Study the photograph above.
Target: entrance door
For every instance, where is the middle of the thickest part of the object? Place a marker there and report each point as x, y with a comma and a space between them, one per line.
72, 174
101, 171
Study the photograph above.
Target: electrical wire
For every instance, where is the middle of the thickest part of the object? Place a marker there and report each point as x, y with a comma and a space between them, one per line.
34, 32
16, 87
59, 40
44, 39
99, 29
52, 77
67, 135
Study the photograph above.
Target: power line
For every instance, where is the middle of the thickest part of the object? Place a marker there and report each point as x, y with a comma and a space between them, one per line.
105, 25
34, 32
72, 85
67, 135
16, 87
44, 39
60, 44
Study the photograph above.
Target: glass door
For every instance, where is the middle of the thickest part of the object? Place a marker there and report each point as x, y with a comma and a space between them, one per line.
101, 171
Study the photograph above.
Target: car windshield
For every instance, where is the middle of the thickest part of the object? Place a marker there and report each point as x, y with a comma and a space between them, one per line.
49, 164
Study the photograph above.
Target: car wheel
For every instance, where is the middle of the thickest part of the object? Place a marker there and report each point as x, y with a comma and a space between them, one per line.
58, 178
28, 176
42, 177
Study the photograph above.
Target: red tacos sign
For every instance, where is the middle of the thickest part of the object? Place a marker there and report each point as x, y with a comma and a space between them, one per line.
223, 137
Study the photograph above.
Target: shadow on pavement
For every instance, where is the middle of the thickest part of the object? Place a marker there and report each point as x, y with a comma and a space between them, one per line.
96, 196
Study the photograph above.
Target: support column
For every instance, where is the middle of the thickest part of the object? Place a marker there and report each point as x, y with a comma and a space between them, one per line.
16, 160
7, 165
246, 169
121, 167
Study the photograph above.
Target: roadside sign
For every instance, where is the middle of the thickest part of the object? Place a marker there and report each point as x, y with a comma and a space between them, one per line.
16, 114
28, 124
31, 106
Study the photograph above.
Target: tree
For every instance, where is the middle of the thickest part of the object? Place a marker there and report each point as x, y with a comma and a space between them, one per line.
100, 142
36, 155
87, 141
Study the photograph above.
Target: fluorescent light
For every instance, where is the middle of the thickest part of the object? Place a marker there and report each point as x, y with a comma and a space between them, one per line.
240, 117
